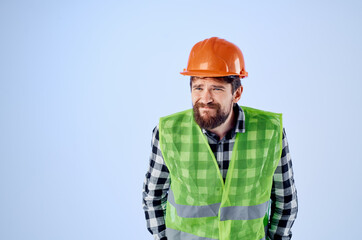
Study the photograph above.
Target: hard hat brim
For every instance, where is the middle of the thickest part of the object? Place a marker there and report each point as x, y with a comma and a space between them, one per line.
205, 73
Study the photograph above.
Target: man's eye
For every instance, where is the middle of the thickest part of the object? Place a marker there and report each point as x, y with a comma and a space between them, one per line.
218, 89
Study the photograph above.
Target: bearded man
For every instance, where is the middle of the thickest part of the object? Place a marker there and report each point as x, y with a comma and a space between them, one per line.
219, 170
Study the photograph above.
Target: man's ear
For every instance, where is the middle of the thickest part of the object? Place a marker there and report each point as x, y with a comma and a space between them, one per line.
237, 94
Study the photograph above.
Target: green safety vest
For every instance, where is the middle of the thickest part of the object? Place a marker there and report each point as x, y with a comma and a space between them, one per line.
200, 206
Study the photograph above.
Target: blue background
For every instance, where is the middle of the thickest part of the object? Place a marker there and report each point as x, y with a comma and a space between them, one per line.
83, 83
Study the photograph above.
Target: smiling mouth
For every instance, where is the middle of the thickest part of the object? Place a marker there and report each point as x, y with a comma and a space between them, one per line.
207, 108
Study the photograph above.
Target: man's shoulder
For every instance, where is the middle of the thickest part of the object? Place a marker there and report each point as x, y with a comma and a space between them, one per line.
257, 116
176, 122
258, 112
177, 115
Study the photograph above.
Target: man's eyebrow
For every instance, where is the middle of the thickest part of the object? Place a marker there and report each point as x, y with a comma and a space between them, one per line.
197, 85
218, 86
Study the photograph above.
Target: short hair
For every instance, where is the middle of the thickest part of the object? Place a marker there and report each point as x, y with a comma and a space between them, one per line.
234, 80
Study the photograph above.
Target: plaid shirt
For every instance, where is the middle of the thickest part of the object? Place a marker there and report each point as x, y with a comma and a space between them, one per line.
283, 195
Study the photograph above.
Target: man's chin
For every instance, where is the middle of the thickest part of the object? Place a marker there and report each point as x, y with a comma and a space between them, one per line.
206, 117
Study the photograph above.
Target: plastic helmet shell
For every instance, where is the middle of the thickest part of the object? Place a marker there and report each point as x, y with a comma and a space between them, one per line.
215, 57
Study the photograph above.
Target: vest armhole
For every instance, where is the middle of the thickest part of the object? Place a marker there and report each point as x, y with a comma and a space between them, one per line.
160, 140
281, 134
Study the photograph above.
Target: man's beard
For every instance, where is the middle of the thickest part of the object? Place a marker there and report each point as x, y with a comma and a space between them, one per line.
207, 121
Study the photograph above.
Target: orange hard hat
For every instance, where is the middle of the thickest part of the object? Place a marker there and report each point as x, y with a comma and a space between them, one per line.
215, 57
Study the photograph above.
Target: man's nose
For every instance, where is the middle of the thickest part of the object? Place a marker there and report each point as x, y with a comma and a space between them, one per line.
206, 97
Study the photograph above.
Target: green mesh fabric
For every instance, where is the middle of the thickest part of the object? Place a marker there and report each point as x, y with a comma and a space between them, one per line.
196, 178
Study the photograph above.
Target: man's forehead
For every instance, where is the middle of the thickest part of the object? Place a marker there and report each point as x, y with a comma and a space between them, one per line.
209, 80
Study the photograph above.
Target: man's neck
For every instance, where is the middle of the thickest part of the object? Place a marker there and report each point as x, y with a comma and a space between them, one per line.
224, 128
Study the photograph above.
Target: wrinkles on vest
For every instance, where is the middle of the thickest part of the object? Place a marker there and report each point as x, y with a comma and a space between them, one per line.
187, 211
173, 234
226, 213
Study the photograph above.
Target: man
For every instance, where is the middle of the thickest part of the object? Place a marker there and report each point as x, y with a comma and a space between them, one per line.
219, 171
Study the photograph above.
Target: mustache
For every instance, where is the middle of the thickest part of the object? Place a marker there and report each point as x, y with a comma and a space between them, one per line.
209, 105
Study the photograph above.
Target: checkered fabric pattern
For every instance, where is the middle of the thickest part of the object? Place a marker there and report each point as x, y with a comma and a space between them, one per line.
255, 158
283, 195
182, 144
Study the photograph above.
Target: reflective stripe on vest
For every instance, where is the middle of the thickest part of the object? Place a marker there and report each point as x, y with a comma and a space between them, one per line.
212, 210
173, 234
243, 212
188, 211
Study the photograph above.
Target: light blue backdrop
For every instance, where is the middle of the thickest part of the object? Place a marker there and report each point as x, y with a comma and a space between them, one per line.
83, 83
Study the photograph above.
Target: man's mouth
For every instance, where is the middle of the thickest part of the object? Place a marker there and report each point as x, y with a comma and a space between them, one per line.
208, 106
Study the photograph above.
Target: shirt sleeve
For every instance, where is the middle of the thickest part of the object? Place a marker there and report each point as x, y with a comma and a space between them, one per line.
284, 202
155, 189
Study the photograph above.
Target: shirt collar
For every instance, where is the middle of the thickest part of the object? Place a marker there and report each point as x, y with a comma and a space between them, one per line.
240, 122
